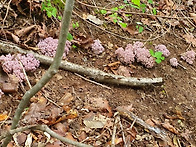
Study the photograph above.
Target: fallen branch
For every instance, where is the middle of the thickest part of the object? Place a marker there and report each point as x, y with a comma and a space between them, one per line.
45, 128
97, 75
154, 130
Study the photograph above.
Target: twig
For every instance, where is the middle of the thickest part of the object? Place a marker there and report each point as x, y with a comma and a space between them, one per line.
93, 73
92, 81
6, 12
114, 34
29, 84
114, 131
51, 100
132, 123
53, 69
132, 117
188, 19
128, 12
45, 128
123, 134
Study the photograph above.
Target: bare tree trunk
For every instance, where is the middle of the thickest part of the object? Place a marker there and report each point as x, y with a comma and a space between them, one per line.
53, 69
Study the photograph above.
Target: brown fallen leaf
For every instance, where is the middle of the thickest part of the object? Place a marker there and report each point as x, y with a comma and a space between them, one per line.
94, 19
193, 15
8, 83
82, 136
133, 132
83, 40
169, 127
100, 104
9, 36
61, 129
93, 120
190, 38
3, 117
131, 29
21, 138
54, 144
124, 71
25, 31
66, 99
150, 122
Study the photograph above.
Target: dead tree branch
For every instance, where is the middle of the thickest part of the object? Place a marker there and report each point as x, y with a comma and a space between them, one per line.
97, 75
45, 128
53, 69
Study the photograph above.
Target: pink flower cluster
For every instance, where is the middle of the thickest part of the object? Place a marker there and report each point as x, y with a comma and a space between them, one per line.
127, 56
174, 62
49, 45
137, 52
97, 48
189, 56
11, 64
162, 48
1, 93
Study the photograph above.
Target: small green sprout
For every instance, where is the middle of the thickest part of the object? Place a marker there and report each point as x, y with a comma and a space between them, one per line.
157, 55
50, 10
125, 1
143, 7
140, 27
136, 2
69, 37
150, 1
75, 25
122, 24
121, 7
103, 11
60, 17
74, 46
114, 9
49, 7
154, 11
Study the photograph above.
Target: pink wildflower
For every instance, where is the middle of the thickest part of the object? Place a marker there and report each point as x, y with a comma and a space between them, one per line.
189, 56
11, 64
162, 48
49, 45
127, 56
174, 62
97, 48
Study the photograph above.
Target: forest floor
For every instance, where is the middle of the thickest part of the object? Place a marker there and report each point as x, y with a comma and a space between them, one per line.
86, 112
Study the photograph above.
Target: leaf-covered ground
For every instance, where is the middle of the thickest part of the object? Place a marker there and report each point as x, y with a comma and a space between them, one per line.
83, 111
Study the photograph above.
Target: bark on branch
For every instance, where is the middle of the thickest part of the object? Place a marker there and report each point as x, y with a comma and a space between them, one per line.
97, 75
45, 128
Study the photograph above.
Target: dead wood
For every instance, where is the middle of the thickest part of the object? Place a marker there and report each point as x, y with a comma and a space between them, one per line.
97, 75
158, 133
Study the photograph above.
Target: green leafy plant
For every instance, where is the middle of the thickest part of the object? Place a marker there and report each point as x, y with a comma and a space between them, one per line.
50, 10
150, 1
50, 7
69, 36
157, 55
74, 46
117, 19
114, 9
140, 27
143, 7
154, 11
103, 11
75, 25
136, 2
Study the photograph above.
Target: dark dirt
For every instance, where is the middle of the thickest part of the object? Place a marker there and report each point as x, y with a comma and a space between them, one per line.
176, 95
